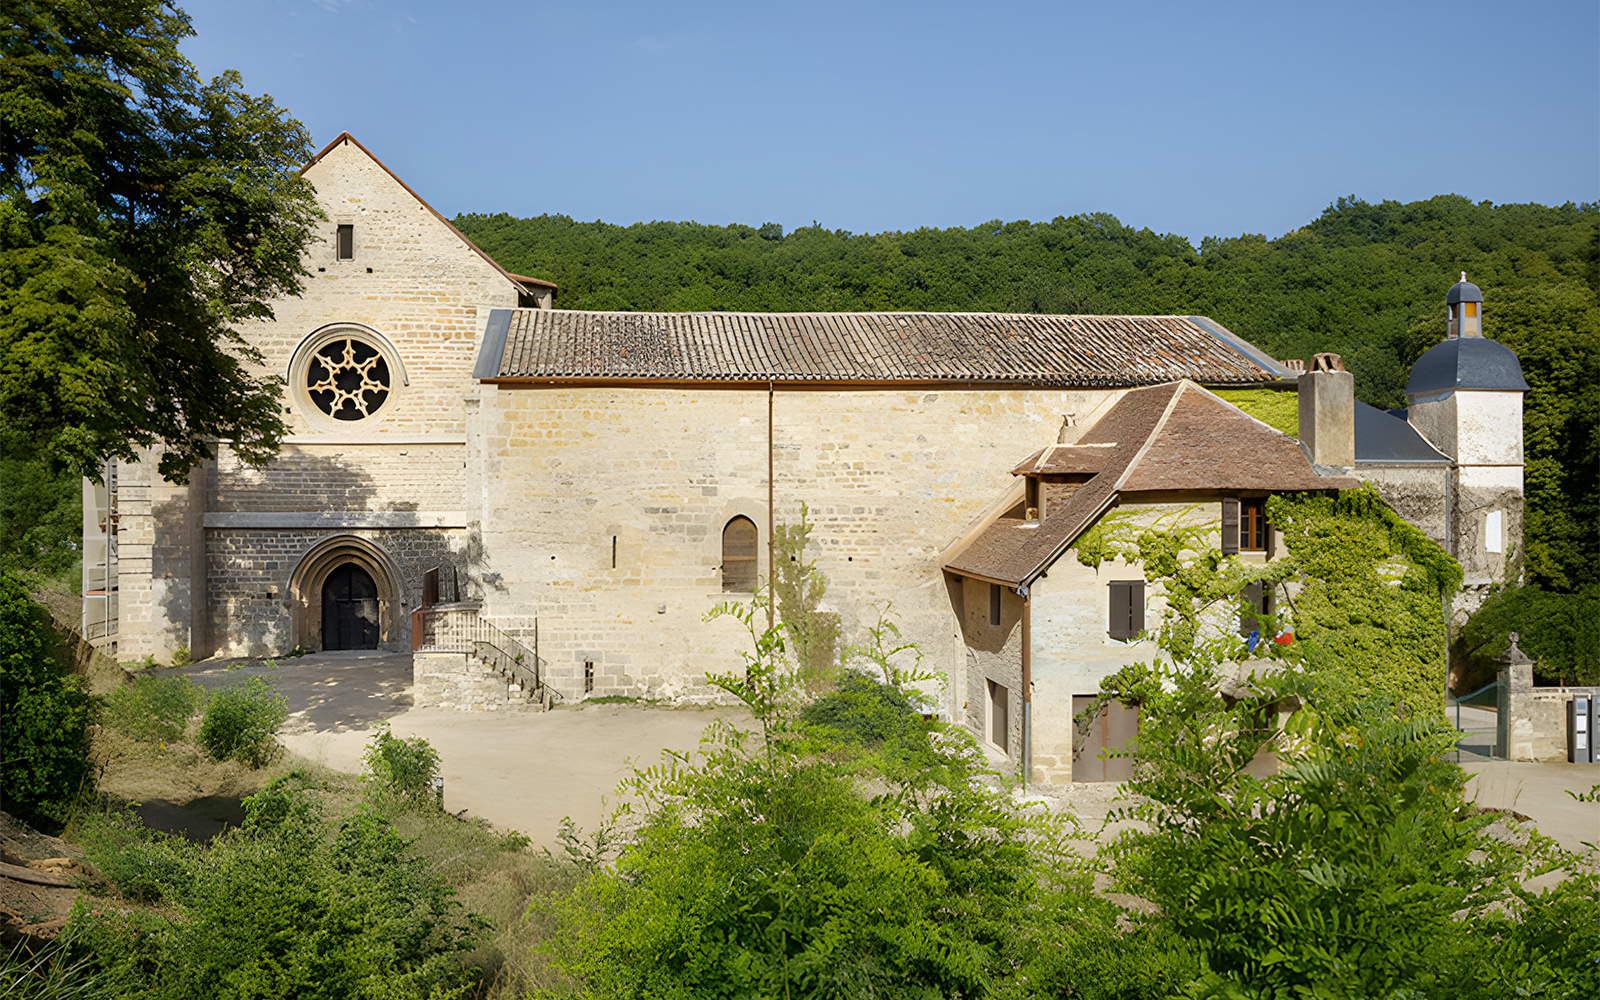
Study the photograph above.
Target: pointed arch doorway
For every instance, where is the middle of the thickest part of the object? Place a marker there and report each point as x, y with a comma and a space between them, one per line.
345, 594
350, 617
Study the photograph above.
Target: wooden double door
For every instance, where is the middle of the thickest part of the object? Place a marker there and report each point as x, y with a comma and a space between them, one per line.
349, 609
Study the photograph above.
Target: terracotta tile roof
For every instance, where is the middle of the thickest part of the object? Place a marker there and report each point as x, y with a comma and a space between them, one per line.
1210, 444
556, 345
1064, 459
1173, 437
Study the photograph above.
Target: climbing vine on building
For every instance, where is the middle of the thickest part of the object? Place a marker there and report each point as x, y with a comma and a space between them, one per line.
1370, 610
1362, 590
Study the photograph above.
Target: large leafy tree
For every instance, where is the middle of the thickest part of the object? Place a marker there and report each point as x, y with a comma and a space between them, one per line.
143, 213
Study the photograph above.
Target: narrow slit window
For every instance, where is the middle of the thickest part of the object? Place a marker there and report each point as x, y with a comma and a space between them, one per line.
588, 676
739, 547
994, 604
346, 242
613, 551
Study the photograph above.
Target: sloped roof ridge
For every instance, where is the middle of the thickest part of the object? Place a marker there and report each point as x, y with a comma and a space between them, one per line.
343, 137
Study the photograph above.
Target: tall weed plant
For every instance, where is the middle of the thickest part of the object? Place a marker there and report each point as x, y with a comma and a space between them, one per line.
402, 770
242, 722
851, 851
154, 709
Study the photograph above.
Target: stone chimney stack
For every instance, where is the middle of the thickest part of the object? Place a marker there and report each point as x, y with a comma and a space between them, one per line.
1328, 413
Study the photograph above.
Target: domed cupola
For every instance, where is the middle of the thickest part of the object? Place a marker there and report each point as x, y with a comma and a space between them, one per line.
1466, 359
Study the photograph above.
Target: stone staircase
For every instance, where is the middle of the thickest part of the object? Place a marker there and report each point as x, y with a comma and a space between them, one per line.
460, 628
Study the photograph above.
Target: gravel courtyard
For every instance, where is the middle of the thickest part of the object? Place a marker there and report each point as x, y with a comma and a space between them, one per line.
526, 770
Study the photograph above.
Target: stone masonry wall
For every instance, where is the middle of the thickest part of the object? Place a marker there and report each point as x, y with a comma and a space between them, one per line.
892, 478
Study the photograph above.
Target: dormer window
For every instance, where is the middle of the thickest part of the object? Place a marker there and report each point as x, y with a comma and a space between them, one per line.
1034, 503
345, 243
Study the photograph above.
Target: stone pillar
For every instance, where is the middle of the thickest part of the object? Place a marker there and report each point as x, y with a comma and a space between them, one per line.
1514, 718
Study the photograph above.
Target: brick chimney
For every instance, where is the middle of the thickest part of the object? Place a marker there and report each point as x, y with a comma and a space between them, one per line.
1328, 414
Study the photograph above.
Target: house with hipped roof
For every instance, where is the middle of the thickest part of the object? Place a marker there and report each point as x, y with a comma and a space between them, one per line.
543, 504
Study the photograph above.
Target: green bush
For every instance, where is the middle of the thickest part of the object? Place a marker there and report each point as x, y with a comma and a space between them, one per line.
44, 717
865, 711
154, 709
287, 803
287, 912
1354, 869
401, 769
795, 865
241, 722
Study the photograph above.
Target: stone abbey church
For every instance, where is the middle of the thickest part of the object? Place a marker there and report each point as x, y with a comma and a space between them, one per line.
543, 504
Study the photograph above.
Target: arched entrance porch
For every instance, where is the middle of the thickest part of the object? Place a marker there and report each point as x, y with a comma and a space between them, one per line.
345, 594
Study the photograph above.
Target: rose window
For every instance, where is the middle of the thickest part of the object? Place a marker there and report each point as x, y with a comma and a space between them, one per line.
348, 379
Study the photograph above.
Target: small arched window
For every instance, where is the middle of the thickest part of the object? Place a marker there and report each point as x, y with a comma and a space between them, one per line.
739, 556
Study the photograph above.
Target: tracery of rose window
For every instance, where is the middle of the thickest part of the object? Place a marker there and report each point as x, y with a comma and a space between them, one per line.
348, 379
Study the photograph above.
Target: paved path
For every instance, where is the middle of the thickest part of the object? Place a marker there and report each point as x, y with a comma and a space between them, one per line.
526, 770
328, 692
1539, 792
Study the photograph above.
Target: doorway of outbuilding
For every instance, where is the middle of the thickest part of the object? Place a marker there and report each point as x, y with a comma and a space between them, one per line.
1112, 730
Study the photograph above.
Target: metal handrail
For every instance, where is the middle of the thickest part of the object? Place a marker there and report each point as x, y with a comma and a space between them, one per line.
464, 630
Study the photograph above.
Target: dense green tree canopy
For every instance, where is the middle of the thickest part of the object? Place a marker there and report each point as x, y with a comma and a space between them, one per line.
142, 212
1367, 281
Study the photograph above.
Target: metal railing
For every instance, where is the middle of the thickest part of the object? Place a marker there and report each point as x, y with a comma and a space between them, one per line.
463, 630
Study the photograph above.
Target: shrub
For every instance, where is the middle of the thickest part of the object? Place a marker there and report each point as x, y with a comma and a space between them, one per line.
154, 709
181, 657
865, 711
402, 769
262, 914
44, 717
241, 722
286, 804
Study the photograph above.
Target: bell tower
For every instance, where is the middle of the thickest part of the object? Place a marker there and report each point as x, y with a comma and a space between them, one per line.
1465, 396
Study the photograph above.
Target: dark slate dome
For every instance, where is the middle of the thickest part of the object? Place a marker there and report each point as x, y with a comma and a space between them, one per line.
1463, 291
1466, 363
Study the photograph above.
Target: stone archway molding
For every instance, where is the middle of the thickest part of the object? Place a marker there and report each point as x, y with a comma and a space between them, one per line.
319, 561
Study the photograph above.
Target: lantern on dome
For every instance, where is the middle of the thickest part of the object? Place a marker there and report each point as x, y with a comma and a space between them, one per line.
1465, 303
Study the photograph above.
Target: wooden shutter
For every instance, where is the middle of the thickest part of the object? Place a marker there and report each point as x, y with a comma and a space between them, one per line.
1230, 525
1127, 609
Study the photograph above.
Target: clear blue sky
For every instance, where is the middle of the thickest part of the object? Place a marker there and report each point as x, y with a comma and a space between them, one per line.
1199, 119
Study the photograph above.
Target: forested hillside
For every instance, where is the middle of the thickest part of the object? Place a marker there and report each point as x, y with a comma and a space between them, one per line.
1367, 281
